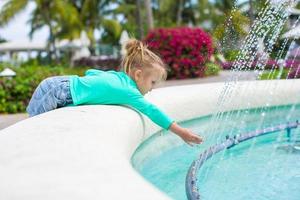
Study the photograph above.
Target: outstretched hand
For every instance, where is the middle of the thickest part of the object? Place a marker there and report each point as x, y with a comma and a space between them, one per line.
191, 138
186, 135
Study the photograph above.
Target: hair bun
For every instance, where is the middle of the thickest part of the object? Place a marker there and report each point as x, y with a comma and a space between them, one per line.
131, 47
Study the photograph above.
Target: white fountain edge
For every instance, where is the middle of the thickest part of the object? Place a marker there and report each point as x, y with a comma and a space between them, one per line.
84, 152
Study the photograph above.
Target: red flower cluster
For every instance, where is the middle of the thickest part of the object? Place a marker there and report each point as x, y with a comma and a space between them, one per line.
185, 50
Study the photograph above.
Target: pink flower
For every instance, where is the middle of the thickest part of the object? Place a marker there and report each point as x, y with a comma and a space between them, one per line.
184, 49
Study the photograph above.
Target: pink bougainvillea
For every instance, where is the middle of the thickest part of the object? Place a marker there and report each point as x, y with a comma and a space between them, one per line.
185, 50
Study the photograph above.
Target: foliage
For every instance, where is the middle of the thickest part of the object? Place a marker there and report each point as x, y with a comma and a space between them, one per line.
99, 63
96, 14
225, 5
127, 8
112, 32
10, 9
183, 12
293, 67
65, 19
274, 74
16, 92
231, 55
233, 27
212, 69
185, 50
290, 69
255, 65
294, 73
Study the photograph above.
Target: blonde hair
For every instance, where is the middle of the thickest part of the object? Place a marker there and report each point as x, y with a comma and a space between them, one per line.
136, 55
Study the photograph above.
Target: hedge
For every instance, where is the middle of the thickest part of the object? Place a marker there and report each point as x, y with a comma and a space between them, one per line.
16, 92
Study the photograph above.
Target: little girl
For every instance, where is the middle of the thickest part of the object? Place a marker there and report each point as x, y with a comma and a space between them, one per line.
141, 70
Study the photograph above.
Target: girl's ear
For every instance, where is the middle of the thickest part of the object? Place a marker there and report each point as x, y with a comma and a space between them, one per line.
137, 74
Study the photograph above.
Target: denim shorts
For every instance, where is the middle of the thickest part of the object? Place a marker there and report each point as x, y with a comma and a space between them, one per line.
51, 93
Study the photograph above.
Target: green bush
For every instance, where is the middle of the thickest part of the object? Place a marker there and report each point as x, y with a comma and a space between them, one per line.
274, 74
212, 69
16, 92
231, 55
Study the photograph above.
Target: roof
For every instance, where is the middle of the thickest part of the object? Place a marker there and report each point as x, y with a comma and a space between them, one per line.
293, 33
22, 46
294, 11
65, 44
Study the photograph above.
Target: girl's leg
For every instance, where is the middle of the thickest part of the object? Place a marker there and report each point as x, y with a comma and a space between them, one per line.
52, 93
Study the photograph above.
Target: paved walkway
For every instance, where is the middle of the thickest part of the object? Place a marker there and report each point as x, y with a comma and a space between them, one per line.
222, 77
7, 120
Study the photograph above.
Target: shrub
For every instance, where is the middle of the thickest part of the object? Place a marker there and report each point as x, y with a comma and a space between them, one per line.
231, 55
16, 92
99, 63
291, 63
294, 73
274, 74
185, 50
270, 64
212, 69
227, 65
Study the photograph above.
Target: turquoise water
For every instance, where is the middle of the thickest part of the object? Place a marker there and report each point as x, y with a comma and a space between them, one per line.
267, 167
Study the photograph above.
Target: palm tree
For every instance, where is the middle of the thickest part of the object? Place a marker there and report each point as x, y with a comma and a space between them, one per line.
163, 16
149, 14
10, 9
132, 17
253, 8
65, 19
231, 23
170, 13
45, 14
90, 16
251, 12
139, 19
225, 5
179, 12
207, 15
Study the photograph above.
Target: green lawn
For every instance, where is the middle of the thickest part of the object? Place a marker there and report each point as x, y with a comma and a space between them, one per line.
274, 74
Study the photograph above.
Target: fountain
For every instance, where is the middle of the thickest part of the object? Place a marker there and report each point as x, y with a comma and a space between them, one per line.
228, 121
81, 156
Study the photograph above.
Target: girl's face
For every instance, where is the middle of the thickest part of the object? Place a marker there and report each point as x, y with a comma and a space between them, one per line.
147, 79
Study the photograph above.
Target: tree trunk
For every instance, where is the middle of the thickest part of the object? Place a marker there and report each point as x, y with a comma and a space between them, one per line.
179, 13
251, 13
52, 43
227, 5
149, 14
140, 28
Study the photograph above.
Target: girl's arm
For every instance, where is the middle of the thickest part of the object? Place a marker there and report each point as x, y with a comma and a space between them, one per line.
188, 136
161, 119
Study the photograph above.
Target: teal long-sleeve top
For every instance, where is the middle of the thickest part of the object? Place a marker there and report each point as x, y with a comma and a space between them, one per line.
111, 87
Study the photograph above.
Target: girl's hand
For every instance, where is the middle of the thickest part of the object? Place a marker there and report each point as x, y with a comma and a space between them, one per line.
191, 138
186, 135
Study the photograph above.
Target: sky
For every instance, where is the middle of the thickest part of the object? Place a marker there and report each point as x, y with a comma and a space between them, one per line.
18, 29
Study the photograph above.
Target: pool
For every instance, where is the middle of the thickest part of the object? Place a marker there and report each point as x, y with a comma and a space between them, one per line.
266, 167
